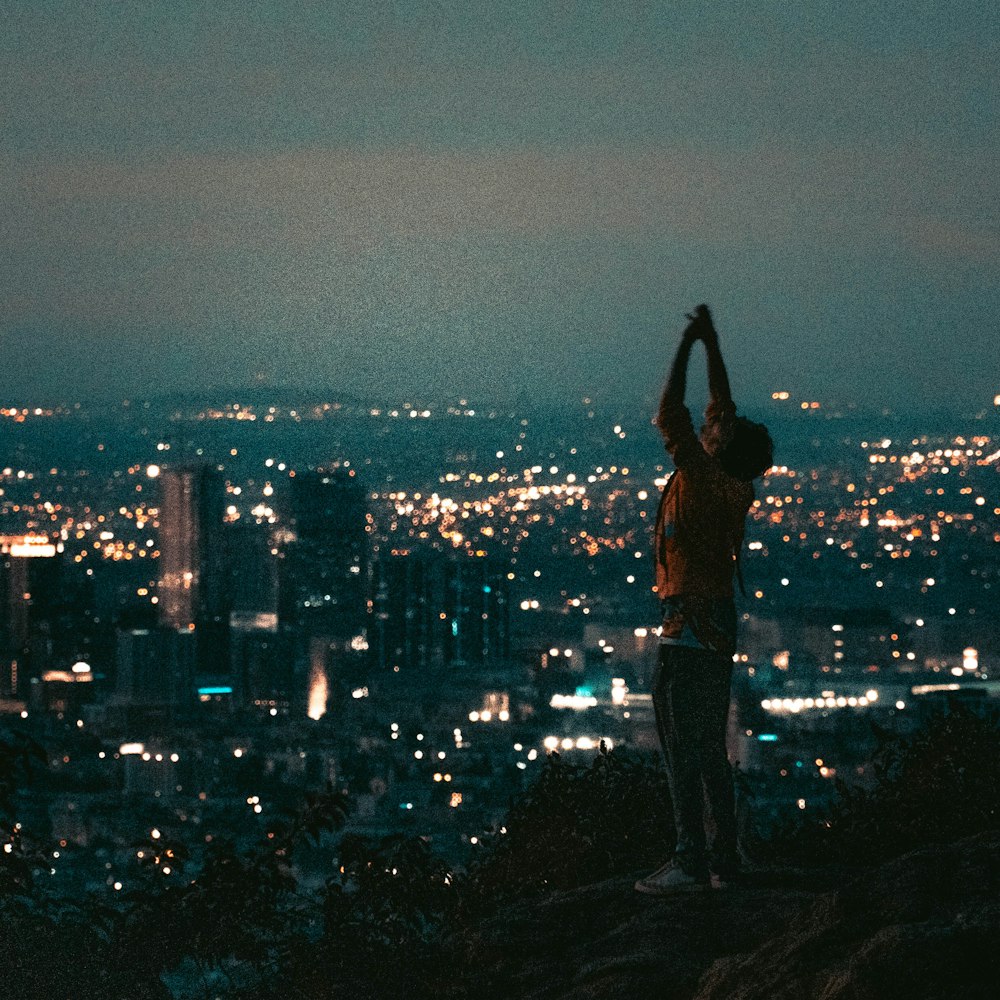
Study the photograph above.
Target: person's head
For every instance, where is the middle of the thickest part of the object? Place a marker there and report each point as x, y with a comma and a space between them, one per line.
749, 451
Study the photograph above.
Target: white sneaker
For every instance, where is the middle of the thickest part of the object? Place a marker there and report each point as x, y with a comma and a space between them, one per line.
669, 879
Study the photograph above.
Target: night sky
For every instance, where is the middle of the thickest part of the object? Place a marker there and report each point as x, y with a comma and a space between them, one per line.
499, 200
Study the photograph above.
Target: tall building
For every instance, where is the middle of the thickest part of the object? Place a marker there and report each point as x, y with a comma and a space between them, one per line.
401, 618
475, 612
193, 581
156, 669
30, 593
262, 656
324, 569
253, 573
429, 610
264, 666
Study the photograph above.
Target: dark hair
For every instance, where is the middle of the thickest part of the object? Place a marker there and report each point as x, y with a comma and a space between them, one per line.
749, 452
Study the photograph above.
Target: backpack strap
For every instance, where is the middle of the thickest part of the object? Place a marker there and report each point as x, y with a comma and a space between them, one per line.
658, 532
739, 568
738, 549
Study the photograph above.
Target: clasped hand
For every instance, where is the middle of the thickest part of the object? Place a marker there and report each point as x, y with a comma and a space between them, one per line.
700, 326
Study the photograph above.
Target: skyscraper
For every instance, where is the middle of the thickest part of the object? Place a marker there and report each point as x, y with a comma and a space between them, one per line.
30, 570
476, 612
429, 610
324, 570
155, 669
193, 592
401, 622
253, 574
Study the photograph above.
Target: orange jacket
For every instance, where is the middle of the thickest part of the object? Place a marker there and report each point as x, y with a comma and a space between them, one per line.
702, 514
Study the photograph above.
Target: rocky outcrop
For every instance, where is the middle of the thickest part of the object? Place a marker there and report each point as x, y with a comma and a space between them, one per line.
606, 940
922, 927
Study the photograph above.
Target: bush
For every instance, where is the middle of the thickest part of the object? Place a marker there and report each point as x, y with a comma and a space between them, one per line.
578, 823
937, 786
384, 916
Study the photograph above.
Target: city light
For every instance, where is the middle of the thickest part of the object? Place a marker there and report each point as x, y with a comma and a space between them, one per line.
828, 700
28, 546
574, 701
551, 743
318, 691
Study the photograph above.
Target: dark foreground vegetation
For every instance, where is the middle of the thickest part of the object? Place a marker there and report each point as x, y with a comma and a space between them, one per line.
891, 893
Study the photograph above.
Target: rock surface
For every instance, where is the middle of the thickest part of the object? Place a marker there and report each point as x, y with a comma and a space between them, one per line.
923, 926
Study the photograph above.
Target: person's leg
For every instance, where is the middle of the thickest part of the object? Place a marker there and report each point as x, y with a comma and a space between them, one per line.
679, 717
715, 769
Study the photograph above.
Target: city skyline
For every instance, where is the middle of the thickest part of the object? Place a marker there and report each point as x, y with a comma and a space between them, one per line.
502, 611
211, 611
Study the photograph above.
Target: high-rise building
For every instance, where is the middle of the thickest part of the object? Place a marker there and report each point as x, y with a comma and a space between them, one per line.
262, 656
475, 613
193, 580
156, 669
30, 572
253, 570
429, 610
264, 663
192, 549
324, 569
401, 618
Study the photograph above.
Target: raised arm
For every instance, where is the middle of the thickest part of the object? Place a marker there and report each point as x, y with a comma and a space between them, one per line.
673, 417
718, 378
676, 387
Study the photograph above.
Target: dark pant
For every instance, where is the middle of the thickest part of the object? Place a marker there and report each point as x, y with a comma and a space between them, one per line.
691, 700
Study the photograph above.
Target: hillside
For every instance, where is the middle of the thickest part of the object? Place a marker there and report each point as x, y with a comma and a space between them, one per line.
922, 927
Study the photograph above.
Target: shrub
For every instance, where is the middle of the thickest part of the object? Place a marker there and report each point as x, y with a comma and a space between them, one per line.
936, 786
384, 916
578, 823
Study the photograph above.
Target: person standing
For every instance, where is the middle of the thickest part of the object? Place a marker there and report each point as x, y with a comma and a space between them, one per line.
698, 536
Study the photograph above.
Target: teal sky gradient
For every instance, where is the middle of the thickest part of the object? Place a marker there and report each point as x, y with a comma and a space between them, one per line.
499, 200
